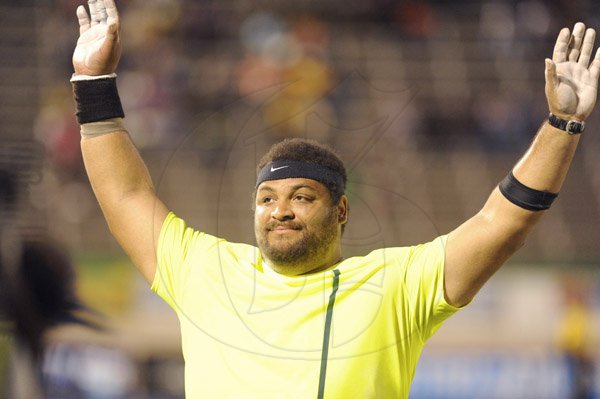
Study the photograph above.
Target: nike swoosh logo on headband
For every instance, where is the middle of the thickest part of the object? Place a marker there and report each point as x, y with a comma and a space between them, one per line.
281, 167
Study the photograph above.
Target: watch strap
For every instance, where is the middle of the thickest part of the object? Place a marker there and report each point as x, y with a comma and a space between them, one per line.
571, 126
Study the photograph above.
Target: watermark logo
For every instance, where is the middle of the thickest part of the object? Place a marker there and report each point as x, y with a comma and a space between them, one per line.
252, 310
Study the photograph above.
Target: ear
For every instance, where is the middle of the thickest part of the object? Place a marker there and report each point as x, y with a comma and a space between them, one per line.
343, 208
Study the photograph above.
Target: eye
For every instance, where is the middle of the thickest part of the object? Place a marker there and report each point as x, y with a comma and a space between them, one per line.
266, 200
302, 198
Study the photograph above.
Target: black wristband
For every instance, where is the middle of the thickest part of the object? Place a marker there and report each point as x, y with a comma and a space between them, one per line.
97, 100
525, 197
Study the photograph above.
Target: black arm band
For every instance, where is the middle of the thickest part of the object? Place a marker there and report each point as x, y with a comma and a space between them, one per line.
97, 100
525, 197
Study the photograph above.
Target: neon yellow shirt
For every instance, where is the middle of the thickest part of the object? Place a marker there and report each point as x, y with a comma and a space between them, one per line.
355, 330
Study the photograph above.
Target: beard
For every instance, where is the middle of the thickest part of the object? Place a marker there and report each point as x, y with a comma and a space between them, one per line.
302, 248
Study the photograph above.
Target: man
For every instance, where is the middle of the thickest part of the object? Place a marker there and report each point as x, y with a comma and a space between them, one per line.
293, 318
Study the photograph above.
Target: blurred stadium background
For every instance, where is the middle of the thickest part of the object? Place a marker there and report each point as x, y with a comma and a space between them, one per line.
429, 102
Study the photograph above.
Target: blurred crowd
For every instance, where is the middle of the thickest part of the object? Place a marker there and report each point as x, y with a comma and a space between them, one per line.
464, 66
373, 78
385, 82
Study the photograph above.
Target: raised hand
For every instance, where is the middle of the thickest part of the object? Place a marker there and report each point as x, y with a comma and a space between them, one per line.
99, 47
571, 81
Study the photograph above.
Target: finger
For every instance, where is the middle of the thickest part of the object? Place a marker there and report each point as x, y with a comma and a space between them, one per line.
550, 72
595, 67
112, 17
575, 42
111, 12
101, 11
92, 7
95, 12
587, 47
561, 46
84, 20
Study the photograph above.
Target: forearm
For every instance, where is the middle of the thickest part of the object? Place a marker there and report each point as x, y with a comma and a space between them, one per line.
546, 163
544, 168
479, 247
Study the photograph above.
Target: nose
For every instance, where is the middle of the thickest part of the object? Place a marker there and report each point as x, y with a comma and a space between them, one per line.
283, 211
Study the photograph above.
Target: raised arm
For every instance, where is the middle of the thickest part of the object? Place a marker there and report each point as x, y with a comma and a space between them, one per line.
116, 171
478, 248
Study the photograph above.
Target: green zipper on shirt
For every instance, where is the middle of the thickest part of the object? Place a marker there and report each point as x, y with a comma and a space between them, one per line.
326, 333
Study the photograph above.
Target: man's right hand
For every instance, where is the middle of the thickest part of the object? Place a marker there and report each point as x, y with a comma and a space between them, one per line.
99, 47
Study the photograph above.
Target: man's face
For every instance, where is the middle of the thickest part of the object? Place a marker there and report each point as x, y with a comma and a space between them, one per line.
297, 226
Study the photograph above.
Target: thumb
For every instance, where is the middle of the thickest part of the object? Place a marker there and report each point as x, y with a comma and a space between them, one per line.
111, 40
550, 72
111, 48
112, 29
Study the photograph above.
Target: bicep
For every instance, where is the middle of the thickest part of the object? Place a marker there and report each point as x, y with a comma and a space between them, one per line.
137, 229
480, 246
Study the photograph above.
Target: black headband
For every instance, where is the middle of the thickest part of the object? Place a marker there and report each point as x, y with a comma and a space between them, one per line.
287, 169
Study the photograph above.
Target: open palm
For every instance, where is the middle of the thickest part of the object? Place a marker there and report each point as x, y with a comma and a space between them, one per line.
98, 48
571, 81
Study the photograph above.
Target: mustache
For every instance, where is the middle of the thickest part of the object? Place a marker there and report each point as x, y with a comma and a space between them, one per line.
273, 225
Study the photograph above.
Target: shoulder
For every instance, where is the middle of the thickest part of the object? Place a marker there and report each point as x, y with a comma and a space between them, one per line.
401, 258
177, 236
388, 255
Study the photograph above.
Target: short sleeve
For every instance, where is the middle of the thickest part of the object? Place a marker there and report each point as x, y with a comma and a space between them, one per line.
424, 286
175, 243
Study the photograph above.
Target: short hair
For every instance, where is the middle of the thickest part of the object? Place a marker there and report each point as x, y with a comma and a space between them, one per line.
311, 151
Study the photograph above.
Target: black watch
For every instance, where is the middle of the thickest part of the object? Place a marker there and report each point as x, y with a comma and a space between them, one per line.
571, 127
